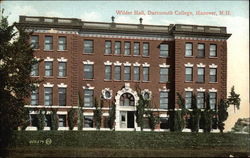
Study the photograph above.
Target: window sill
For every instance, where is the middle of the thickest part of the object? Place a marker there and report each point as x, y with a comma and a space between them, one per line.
48, 50
202, 57
213, 82
164, 82
62, 50
36, 49
188, 81
188, 56
213, 57
137, 81
117, 80
48, 76
34, 76
107, 54
164, 57
200, 82
88, 53
61, 77
146, 56
125, 55
136, 55
105, 80
145, 81
88, 79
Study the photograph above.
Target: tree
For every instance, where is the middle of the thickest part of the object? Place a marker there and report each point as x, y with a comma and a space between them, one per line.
234, 99
195, 116
16, 60
179, 115
71, 118
80, 112
242, 125
54, 120
207, 116
111, 117
98, 113
41, 120
222, 114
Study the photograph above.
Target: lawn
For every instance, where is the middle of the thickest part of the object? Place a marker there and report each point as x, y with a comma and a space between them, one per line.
127, 144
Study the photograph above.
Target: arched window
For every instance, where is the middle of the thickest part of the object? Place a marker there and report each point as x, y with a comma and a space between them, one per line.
127, 99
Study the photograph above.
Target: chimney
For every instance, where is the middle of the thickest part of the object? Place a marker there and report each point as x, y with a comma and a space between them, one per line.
140, 20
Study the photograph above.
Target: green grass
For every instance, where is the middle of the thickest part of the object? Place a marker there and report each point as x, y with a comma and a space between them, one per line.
114, 143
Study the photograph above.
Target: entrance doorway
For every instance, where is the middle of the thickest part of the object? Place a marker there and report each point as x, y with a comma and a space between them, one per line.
127, 119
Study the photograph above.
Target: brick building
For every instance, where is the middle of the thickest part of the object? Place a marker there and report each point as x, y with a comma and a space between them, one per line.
109, 60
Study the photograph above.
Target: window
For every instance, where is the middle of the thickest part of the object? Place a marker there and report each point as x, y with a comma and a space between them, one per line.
188, 74
164, 123
62, 69
48, 68
34, 42
117, 48
48, 44
34, 70
88, 46
146, 96
213, 50
200, 100
145, 73
117, 72
62, 43
88, 71
62, 96
107, 72
127, 48
201, 74
201, 50
145, 49
34, 97
62, 120
48, 96
212, 100
127, 71
188, 99
213, 75
136, 73
88, 121
107, 95
188, 49
136, 48
163, 100
164, 74
163, 50
127, 99
88, 97
108, 47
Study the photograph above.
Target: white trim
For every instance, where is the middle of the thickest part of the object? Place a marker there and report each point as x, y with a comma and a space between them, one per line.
62, 85
201, 89
48, 85
31, 128
36, 85
164, 65
136, 64
88, 86
201, 65
127, 64
213, 66
61, 112
104, 91
143, 92
164, 89
163, 115
188, 89
213, 90
88, 62
188, 65
199, 38
88, 114
48, 59
117, 63
146, 64
107, 63
62, 59
105, 114
37, 59
63, 128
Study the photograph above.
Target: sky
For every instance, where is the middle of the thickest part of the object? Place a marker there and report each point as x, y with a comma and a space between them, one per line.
237, 23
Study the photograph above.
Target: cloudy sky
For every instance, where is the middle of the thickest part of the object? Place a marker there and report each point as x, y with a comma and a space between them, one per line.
237, 23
